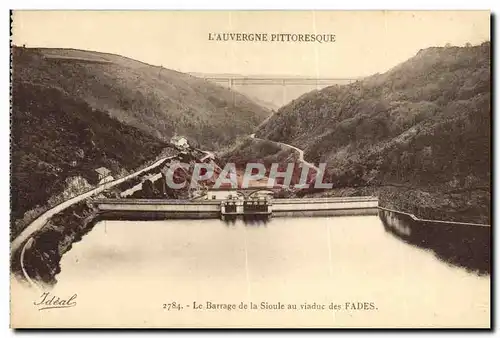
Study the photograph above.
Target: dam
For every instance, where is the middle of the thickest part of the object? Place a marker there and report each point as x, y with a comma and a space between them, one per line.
259, 205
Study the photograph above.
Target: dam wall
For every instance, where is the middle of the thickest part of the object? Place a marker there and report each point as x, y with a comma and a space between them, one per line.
157, 209
462, 244
167, 209
317, 207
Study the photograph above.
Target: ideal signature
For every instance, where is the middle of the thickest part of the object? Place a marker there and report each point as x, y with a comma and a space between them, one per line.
48, 301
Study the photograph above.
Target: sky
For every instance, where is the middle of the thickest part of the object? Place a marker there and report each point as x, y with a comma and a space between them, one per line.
367, 42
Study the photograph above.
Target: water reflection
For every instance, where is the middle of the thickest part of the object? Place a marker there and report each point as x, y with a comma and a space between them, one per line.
256, 220
461, 245
230, 220
247, 220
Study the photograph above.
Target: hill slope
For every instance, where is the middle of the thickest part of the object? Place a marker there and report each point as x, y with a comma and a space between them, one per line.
156, 100
55, 138
418, 135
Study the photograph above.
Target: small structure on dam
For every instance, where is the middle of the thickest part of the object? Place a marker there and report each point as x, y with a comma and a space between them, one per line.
246, 207
247, 202
231, 194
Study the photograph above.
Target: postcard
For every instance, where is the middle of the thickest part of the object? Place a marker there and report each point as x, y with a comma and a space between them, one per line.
250, 169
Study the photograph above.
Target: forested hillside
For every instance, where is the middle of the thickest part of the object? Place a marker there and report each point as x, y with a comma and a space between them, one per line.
55, 137
418, 136
157, 100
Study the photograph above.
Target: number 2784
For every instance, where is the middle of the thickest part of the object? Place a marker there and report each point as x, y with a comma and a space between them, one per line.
172, 306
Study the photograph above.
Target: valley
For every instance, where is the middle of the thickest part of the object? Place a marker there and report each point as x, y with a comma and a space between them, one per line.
417, 136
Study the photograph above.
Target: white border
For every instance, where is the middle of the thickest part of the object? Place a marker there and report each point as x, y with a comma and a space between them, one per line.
257, 4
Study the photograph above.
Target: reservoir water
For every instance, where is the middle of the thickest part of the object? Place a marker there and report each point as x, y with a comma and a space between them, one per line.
136, 267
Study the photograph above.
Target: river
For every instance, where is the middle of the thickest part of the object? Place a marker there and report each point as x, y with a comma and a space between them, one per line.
124, 272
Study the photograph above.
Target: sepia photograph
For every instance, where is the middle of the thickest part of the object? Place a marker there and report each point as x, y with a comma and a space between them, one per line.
250, 169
